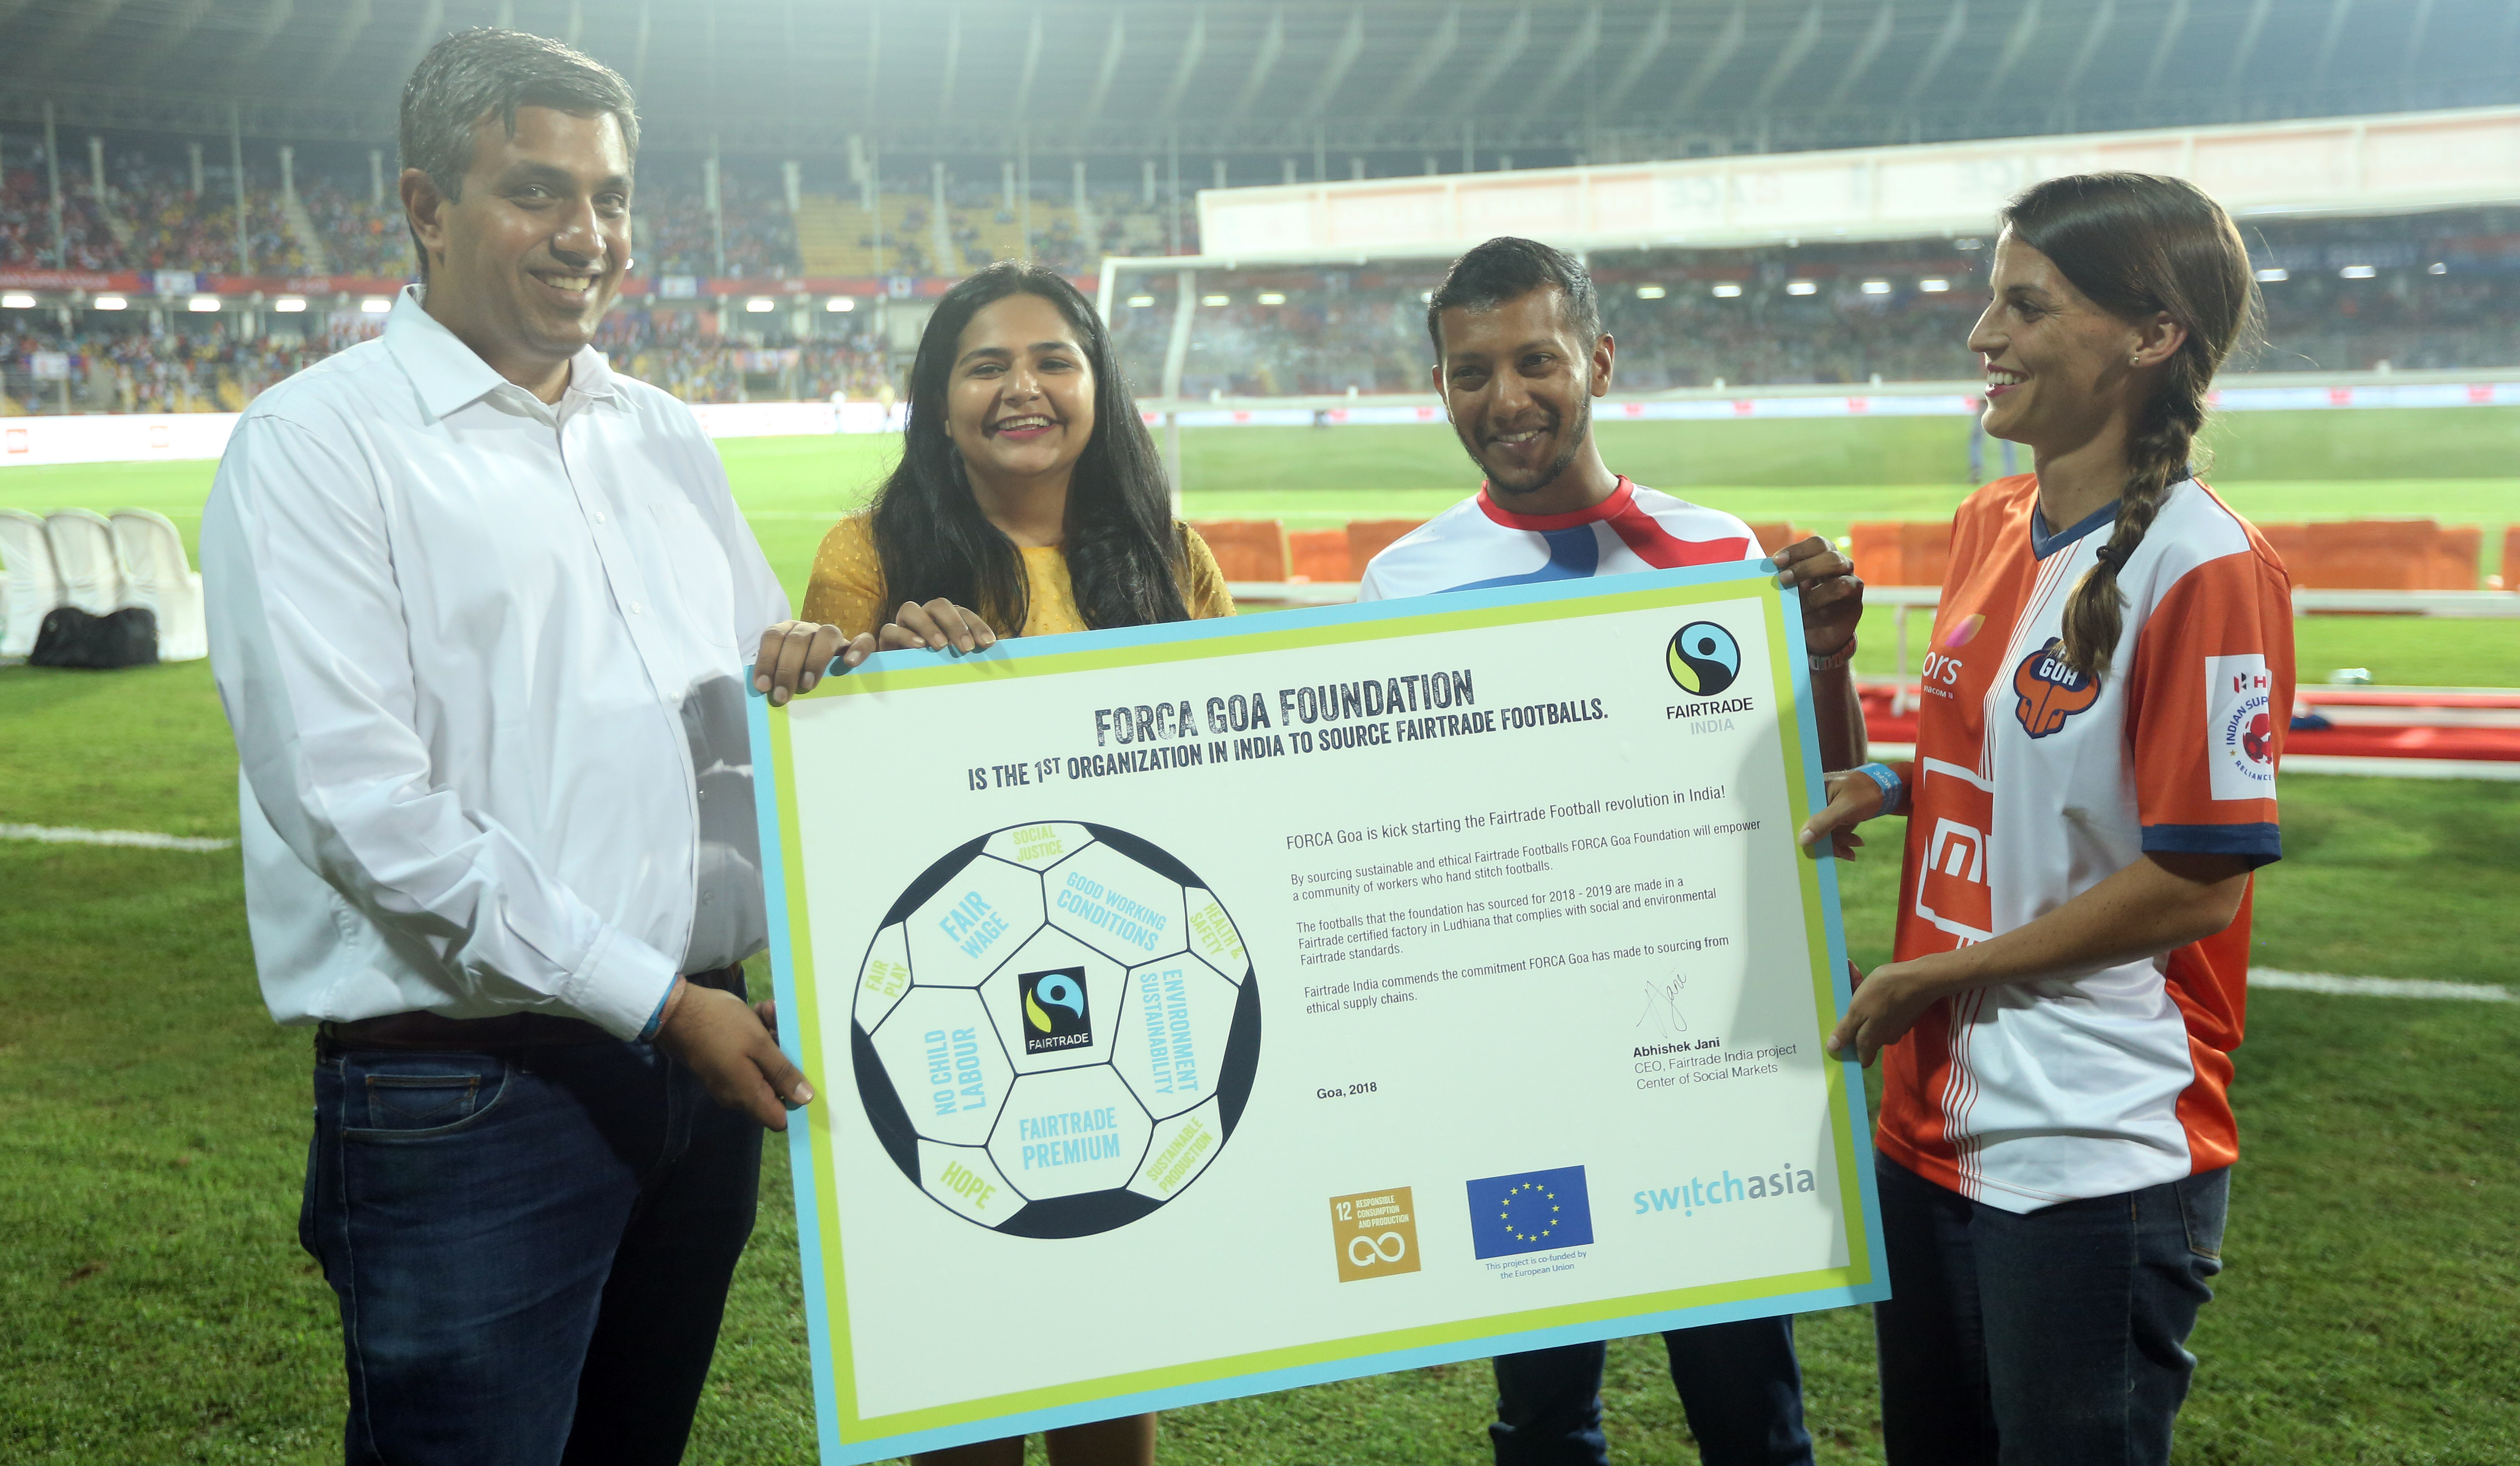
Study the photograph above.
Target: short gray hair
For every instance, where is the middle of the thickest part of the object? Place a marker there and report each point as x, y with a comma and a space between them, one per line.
488, 69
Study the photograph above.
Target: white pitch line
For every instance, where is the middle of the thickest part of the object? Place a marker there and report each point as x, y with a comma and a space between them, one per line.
144, 839
2320, 981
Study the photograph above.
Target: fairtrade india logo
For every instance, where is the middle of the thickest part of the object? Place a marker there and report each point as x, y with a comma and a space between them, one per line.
1704, 659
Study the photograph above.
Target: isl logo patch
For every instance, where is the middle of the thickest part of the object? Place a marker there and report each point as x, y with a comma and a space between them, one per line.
2239, 731
1055, 1015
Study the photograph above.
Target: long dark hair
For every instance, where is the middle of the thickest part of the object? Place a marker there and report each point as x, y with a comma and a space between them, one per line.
1123, 555
2137, 245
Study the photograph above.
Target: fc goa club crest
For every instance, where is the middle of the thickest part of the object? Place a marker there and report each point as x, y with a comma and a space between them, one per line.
2050, 691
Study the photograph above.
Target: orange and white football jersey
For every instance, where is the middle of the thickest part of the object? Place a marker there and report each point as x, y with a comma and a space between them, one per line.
2031, 785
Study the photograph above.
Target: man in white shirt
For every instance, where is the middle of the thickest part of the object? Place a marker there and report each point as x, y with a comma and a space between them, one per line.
480, 610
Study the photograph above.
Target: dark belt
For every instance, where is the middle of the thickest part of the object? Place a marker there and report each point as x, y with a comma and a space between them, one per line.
507, 1031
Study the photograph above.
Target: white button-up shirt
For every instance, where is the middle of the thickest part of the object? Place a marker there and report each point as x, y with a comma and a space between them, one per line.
485, 660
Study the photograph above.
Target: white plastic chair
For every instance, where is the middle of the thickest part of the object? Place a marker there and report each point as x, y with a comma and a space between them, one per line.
33, 587
161, 580
90, 568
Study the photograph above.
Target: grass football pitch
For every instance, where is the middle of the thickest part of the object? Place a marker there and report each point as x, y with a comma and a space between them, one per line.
153, 1121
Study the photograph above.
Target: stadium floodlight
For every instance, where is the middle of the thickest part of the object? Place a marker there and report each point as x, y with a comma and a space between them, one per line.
18, 300
1728, 290
2274, 273
1650, 292
1933, 285
1216, 299
1876, 287
1801, 288
840, 303
2437, 267
108, 302
374, 305
760, 305
2357, 273
1426, 297
290, 304
1141, 301
200, 305
1272, 297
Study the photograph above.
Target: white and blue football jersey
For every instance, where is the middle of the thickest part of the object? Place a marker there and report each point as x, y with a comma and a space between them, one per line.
1476, 545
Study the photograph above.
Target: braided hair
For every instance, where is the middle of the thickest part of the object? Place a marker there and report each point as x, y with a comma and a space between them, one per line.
2137, 245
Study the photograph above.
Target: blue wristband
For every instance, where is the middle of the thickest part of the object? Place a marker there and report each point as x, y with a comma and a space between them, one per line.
1894, 790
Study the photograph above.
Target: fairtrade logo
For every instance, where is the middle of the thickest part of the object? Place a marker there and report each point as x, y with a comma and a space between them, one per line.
1704, 659
1053, 1010
2050, 691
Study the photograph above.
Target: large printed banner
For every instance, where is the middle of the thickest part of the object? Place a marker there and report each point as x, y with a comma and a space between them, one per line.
1208, 1009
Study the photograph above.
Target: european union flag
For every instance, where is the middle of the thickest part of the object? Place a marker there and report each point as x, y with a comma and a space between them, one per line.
1530, 1213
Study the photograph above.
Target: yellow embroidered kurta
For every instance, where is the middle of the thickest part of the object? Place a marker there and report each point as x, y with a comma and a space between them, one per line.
847, 586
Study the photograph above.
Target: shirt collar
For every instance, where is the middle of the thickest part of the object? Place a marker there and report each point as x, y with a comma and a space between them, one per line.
450, 375
1543, 523
2045, 541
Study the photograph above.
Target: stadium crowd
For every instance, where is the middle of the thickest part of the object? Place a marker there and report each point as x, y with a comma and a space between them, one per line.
2416, 291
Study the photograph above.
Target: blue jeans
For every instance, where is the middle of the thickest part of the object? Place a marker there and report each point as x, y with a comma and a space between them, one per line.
531, 1248
2057, 1336
1740, 1383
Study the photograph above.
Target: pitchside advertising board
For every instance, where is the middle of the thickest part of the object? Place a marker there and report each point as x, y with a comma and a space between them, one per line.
1210, 1009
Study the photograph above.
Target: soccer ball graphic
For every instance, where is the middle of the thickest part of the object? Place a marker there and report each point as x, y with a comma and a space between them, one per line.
1054, 1029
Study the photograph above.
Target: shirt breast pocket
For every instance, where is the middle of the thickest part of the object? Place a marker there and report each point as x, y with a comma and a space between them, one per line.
699, 568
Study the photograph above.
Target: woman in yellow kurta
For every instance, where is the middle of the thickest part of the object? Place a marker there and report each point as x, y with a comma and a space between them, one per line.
1030, 499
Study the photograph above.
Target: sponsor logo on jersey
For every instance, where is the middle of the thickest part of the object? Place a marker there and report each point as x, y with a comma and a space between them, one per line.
1703, 658
1053, 1010
2050, 691
1952, 893
2241, 733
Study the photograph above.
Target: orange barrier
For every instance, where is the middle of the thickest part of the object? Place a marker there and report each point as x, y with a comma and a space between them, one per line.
1246, 549
1366, 538
2392, 554
2510, 576
1317, 555
2398, 554
1774, 537
1901, 552
1874, 549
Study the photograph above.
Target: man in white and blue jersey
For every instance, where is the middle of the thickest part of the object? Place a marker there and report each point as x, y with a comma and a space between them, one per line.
1520, 355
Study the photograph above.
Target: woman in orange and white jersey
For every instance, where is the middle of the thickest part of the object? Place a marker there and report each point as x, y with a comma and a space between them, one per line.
2103, 705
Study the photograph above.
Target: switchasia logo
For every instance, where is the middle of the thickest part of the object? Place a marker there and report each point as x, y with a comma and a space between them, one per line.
1053, 1010
1704, 659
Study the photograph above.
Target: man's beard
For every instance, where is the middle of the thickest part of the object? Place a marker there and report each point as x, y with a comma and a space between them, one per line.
1542, 478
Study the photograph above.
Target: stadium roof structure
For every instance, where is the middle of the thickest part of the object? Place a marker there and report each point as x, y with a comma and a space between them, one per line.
1453, 81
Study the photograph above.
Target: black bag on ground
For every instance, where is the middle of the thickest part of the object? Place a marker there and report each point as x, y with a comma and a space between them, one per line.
70, 637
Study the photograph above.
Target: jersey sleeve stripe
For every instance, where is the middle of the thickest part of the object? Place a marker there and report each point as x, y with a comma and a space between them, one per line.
2261, 843
1664, 550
